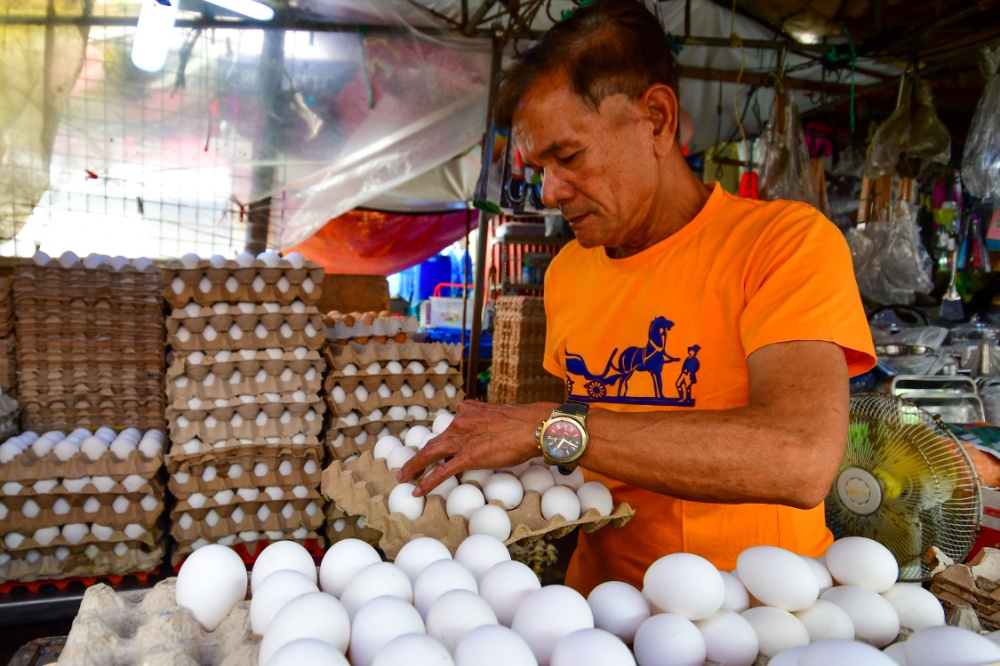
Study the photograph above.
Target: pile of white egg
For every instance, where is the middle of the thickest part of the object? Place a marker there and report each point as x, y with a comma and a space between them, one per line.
480, 608
81, 442
293, 260
69, 259
483, 496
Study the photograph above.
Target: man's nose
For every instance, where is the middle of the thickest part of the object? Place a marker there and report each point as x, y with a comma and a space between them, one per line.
555, 190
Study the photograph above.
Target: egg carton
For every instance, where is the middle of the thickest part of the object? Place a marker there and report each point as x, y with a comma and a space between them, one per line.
227, 498
273, 405
216, 523
52, 510
251, 467
96, 391
341, 526
29, 467
45, 418
239, 388
223, 316
197, 366
310, 423
87, 485
227, 448
361, 487
975, 584
394, 382
250, 540
258, 337
429, 353
39, 364
341, 446
61, 351
149, 538
206, 284
347, 327
73, 562
376, 408
149, 627
60, 376
141, 324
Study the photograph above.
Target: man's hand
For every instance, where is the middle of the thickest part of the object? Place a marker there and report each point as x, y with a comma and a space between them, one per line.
482, 436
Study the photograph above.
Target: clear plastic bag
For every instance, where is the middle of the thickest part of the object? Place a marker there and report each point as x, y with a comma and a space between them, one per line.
786, 173
981, 159
910, 139
887, 144
891, 264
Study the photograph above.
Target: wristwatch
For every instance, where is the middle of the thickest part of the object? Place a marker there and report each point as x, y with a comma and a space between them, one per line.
563, 437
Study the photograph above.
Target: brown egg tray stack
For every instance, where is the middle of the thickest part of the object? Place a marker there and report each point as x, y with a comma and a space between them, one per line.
8, 361
244, 406
364, 327
361, 487
90, 346
518, 349
355, 423
127, 501
148, 627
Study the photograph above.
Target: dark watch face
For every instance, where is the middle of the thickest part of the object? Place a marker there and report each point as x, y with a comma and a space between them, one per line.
562, 440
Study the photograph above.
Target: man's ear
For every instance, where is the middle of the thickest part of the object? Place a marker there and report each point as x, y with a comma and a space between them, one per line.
660, 103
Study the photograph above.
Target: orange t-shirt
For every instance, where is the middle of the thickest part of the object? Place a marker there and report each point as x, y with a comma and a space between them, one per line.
741, 275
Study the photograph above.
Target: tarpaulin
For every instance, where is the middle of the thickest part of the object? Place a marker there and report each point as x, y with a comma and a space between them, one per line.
370, 243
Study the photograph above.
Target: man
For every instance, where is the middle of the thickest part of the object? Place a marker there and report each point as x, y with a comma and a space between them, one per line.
763, 293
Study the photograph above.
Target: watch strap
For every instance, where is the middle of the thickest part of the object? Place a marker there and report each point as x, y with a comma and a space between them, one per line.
573, 408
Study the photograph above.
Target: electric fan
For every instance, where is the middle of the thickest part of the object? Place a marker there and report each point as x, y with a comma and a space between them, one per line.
906, 482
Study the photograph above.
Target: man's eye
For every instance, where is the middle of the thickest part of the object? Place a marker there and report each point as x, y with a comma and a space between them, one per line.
569, 158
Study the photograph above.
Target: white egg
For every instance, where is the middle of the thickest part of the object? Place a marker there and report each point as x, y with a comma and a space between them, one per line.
416, 367
445, 487
68, 259
954, 646
619, 608
479, 552
823, 577
547, 615
417, 435
402, 501
837, 651
376, 580
419, 553
736, 599
561, 501
272, 593
211, 582
244, 260
377, 623
684, 584
439, 577
504, 488
778, 577
776, 629
279, 556
917, 608
190, 260
441, 423
595, 495
428, 390
217, 261
306, 651
121, 448
8, 451
312, 615
46, 535
105, 433
875, 620
825, 619
102, 532
463, 500
492, 520
730, 640
42, 446
398, 457
441, 367
454, 614
397, 413
270, 259
493, 645
476, 476
295, 259
40, 258
413, 650
862, 562
405, 390
384, 446
574, 479
133, 482
505, 586
13, 540
591, 647
93, 447
394, 367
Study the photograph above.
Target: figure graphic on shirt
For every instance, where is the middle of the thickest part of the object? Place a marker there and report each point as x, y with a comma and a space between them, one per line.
689, 374
651, 358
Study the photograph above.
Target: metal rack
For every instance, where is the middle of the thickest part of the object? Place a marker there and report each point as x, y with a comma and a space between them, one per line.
512, 251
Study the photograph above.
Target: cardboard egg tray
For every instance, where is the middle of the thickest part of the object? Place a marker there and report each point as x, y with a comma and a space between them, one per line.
149, 539
92, 560
8, 363
256, 427
149, 627
149, 486
248, 362
976, 584
231, 499
393, 381
27, 467
63, 377
142, 323
16, 521
271, 319
339, 356
209, 339
396, 399
6, 307
179, 394
361, 487
223, 449
74, 390
283, 516
272, 405
348, 328
46, 418
250, 539
340, 445
187, 472
340, 526
233, 283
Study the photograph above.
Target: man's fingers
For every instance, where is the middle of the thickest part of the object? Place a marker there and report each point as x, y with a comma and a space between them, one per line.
432, 452
434, 479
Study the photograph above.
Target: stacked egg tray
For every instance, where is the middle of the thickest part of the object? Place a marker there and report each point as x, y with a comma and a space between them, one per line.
364, 327
518, 350
148, 626
90, 345
976, 584
361, 487
208, 282
8, 361
244, 406
378, 389
86, 513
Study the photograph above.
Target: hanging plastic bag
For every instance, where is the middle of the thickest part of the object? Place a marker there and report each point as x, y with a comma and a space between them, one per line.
929, 140
887, 144
890, 263
786, 173
981, 159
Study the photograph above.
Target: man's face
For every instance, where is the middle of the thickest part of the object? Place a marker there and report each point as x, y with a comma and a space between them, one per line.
599, 167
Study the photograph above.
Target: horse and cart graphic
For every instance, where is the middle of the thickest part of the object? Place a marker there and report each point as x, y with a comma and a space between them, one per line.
621, 367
